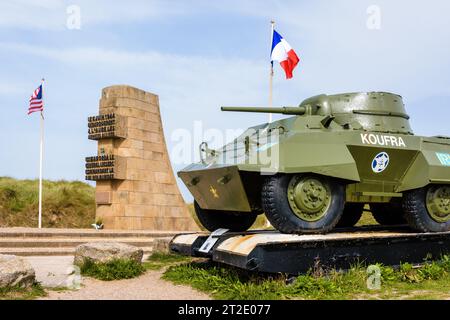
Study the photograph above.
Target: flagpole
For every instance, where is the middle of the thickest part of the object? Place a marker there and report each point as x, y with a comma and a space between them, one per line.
272, 23
41, 154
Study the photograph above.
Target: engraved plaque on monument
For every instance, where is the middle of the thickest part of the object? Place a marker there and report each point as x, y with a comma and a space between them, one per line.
135, 185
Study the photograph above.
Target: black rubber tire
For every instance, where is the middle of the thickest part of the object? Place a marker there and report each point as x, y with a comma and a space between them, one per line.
388, 214
351, 216
279, 213
416, 213
233, 221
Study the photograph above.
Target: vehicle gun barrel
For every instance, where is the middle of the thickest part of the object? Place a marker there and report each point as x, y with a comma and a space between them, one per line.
282, 110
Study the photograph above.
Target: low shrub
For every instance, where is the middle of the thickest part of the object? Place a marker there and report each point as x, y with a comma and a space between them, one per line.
113, 270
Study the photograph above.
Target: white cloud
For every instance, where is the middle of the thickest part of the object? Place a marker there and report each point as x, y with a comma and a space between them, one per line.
178, 71
8, 88
339, 53
52, 15
106, 11
409, 55
28, 14
190, 88
194, 84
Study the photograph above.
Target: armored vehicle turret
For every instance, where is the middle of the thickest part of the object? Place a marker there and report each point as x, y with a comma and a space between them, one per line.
318, 169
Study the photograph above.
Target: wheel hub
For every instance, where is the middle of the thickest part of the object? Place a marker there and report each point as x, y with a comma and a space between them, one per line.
309, 197
438, 203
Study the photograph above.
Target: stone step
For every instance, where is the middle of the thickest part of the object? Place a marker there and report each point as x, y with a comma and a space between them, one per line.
37, 251
54, 242
64, 242
81, 233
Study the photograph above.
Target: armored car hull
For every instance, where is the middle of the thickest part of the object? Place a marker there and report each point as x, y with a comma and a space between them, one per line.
318, 169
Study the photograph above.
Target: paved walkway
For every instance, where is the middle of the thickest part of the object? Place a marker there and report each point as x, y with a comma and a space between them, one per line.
54, 272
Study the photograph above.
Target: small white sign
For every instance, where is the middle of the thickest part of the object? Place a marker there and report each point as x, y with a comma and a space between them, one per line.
212, 239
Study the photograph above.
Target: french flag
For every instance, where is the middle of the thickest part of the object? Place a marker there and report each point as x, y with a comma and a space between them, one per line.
284, 54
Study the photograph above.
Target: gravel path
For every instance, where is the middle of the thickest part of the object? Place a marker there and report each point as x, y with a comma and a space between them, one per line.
146, 287
52, 272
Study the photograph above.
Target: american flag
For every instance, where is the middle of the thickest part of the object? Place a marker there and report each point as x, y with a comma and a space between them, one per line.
36, 102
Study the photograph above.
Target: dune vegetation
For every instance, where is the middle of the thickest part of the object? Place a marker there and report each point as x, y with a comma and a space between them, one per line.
65, 204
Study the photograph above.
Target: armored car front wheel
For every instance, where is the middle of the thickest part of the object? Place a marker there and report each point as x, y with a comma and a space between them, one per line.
216, 219
428, 209
303, 203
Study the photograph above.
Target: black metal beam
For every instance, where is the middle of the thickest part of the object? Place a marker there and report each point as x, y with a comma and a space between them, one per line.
300, 256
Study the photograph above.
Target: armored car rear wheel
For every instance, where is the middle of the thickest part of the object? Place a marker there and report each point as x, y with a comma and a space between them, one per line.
428, 209
388, 214
303, 203
216, 219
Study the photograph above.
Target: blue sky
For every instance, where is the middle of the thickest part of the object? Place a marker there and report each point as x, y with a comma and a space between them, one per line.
199, 55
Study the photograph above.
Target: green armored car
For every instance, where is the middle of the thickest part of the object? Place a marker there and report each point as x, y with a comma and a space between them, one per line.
316, 170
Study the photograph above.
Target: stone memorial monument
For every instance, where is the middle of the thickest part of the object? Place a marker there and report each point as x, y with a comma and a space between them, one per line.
135, 185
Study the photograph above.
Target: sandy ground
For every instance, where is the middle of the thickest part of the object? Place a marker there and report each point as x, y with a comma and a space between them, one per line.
55, 272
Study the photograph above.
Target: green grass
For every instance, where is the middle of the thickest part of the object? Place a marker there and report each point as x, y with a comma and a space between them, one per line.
159, 260
234, 284
260, 223
65, 204
113, 270
366, 220
431, 281
17, 293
